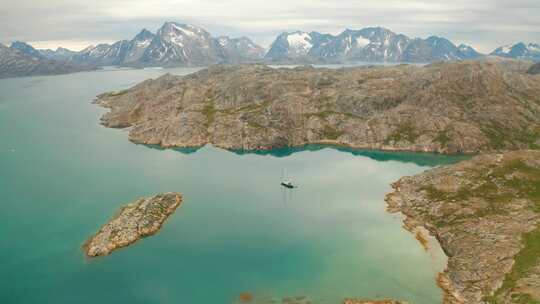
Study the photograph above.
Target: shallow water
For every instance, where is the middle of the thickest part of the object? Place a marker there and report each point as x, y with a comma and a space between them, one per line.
62, 176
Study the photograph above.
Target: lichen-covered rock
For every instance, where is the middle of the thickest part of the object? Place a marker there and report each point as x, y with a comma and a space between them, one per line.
444, 107
485, 212
134, 221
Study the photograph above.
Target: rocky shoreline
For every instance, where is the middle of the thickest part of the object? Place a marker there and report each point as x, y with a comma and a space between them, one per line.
485, 213
134, 221
464, 107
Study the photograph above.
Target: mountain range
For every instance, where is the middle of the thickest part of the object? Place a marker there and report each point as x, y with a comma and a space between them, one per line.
28, 62
176, 44
520, 50
372, 44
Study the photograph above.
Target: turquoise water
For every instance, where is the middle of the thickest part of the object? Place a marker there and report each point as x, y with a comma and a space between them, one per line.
62, 176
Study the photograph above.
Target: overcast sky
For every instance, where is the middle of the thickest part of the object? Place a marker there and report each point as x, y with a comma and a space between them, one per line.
484, 24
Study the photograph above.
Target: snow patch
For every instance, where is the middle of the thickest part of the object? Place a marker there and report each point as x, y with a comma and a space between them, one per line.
223, 41
143, 43
300, 42
362, 42
186, 31
506, 49
532, 47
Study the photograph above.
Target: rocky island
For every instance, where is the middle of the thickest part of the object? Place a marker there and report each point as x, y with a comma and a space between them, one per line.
467, 106
136, 220
485, 214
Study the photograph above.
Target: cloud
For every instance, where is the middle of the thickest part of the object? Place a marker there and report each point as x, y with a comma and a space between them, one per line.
485, 24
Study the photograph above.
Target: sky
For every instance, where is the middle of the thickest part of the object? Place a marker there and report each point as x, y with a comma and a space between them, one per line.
483, 24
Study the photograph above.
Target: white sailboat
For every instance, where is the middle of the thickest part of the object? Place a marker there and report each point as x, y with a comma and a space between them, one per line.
287, 183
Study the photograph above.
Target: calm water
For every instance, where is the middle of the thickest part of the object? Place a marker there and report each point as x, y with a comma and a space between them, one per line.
62, 176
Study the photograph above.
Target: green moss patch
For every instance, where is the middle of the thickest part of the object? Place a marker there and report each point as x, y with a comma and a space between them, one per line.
442, 138
404, 132
525, 260
331, 133
500, 137
209, 111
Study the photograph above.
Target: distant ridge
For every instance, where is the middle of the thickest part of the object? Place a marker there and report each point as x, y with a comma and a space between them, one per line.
174, 44
529, 51
372, 44
22, 59
178, 44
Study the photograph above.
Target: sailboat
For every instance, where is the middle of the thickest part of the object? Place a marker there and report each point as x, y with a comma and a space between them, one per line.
287, 183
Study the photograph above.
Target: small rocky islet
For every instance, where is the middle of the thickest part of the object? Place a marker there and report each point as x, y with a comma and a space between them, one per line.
484, 211
134, 221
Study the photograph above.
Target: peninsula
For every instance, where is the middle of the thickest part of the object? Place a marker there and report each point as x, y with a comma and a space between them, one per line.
464, 107
136, 220
485, 214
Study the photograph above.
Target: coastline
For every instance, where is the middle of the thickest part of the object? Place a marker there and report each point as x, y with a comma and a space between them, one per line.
482, 242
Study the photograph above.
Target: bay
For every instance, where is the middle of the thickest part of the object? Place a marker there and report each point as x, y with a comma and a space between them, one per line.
62, 176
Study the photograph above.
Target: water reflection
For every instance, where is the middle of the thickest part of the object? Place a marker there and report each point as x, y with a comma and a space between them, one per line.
419, 158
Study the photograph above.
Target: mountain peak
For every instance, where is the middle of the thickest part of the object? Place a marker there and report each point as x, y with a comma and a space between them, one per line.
179, 33
144, 32
27, 49
520, 50
18, 43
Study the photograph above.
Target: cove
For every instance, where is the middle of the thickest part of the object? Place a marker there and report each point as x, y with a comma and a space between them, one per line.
62, 176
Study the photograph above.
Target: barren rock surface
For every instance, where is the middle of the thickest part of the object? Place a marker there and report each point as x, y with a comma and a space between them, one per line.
444, 107
485, 213
134, 221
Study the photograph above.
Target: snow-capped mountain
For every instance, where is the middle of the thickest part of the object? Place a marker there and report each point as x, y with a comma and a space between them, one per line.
60, 54
137, 47
238, 50
103, 54
23, 60
182, 44
469, 52
372, 44
530, 51
296, 45
174, 44
432, 49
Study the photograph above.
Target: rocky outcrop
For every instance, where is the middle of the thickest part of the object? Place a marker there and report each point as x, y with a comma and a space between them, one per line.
134, 221
485, 212
535, 69
445, 107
